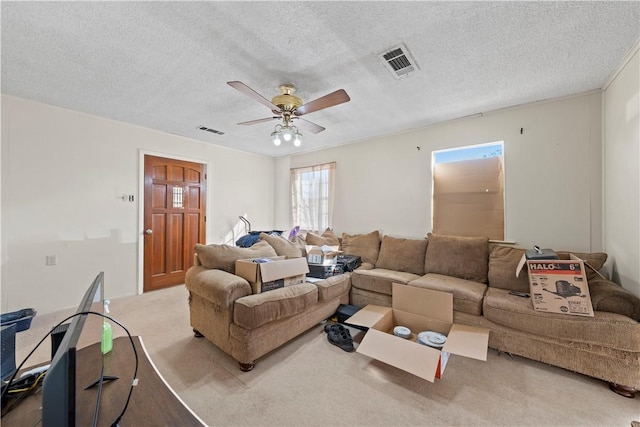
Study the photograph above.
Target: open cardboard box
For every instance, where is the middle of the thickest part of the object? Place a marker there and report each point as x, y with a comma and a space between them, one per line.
558, 286
419, 310
323, 255
278, 273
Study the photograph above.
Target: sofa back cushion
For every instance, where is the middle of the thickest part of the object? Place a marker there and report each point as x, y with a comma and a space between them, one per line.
328, 238
282, 246
595, 260
462, 257
366, 246
503, 262
402, 254
224, 257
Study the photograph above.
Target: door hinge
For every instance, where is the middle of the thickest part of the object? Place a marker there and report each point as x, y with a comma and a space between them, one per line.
205, 218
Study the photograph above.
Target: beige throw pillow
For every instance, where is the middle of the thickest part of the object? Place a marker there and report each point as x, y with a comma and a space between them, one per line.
595, 260
503, 262
366, 246
224, 257
400, 254
463, 257
327, 238
281, 245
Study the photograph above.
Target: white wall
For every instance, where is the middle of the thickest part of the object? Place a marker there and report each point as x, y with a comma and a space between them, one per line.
63, 174
621, 176
552, 174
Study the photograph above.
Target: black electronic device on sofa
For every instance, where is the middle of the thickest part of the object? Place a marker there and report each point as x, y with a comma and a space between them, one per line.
321, 271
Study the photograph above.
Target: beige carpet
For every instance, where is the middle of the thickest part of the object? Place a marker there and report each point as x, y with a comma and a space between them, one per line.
309, 382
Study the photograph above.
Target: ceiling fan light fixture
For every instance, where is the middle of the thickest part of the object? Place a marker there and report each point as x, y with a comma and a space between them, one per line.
275, 136
287, 133
297, 139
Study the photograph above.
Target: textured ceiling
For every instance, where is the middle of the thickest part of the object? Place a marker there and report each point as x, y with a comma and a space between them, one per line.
164, 65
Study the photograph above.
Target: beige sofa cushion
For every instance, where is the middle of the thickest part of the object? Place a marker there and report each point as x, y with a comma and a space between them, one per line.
402, 254
462, 257
366, 246
253, 311
503, 262
595, 260
611, 297
604, 329
328, 238
282, 246
224, 257
467, 295
333, 287
379, 280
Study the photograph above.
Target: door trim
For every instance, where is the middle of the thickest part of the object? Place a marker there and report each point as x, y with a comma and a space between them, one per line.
208, 204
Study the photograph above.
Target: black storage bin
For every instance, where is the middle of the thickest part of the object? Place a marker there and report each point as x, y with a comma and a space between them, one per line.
8, 347
21, 318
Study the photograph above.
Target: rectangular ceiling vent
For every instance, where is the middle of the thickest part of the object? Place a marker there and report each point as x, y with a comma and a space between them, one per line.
399, 61
206, 129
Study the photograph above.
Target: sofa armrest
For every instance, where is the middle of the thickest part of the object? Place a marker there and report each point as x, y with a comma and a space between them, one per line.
218, 286
611, 297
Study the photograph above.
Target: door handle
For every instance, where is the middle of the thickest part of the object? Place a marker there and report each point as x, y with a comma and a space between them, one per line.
148, 231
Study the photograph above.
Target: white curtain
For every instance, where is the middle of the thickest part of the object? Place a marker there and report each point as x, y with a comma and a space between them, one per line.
312, 191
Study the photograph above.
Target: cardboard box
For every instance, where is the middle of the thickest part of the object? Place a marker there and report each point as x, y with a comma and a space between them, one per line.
558, 286
322, 255
419, 310
277, 273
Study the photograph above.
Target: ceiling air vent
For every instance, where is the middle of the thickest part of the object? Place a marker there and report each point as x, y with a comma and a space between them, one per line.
206, 129
399, 61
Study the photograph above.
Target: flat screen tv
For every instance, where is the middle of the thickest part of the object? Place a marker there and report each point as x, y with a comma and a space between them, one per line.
61, 387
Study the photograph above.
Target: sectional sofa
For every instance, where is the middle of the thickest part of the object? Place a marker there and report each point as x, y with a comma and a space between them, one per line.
478, 273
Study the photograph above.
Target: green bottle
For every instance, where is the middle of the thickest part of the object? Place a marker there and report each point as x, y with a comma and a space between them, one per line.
107, 338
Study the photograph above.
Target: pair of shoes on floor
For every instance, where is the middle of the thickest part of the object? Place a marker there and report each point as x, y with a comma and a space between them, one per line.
339, 336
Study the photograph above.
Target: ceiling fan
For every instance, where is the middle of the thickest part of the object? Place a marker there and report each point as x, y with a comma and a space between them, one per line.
288, 107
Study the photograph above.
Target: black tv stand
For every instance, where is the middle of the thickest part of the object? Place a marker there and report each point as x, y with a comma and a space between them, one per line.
104, 379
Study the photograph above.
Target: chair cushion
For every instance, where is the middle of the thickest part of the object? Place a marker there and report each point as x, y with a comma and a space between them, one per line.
282, 246
467, 295
379, 279
255, 310
366, 246
462, 257
604, 329
224, 257
402, 254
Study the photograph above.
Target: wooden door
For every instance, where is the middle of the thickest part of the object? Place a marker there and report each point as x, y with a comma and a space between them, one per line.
174, 219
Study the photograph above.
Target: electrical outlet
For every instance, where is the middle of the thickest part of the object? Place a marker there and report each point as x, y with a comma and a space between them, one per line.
51, 260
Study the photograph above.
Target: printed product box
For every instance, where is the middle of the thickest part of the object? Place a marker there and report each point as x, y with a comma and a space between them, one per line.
558, 286
274, 273
419, 310
322, 255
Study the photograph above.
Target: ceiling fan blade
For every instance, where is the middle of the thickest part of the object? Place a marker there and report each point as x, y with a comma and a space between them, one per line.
334, 98
239, 86
310, 126
253, 122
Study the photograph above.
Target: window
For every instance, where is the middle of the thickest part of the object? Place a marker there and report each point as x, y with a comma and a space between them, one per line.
312, 190
468, 191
